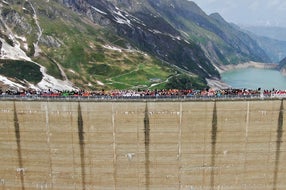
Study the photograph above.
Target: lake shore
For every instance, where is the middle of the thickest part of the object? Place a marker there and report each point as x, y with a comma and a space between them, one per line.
219, 84
250, 64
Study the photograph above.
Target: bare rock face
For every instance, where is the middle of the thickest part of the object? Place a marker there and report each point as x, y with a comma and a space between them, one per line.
50, 41
282, 66
14, 19
0, 47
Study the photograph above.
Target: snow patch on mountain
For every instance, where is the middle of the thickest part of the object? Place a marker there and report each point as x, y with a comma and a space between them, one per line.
121, 19
99, 11
5, 2
48, 82
10, 52
8, 82
112, 48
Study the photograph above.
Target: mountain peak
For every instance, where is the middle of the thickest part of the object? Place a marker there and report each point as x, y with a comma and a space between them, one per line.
217, 16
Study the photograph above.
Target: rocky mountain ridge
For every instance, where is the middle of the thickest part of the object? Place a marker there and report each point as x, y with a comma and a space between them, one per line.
282, 66
96, 44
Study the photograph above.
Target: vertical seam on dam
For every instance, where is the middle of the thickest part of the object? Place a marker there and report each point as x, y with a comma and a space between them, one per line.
180, 146
214, 139
114, 147
147, 144
279, 141
19, 149
48, 140
247, 121
81, 144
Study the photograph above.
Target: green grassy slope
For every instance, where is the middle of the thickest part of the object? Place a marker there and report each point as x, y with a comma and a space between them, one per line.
91, 56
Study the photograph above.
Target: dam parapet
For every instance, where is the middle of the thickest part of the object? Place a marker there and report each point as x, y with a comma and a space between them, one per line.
145, 144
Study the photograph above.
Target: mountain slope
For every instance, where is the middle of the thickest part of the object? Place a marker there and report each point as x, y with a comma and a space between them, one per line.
153, 34
277, 33
223, 43
274, 48
72, 49
109, 44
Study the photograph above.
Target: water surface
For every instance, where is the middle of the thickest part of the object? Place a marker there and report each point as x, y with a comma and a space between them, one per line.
253, 78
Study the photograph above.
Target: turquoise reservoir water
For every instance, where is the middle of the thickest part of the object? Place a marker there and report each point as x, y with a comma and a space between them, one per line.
253, 78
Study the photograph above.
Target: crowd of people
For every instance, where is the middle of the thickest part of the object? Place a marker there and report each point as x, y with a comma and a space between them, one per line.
147, 93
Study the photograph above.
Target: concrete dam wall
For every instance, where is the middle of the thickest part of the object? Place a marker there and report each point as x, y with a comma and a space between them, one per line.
144, 145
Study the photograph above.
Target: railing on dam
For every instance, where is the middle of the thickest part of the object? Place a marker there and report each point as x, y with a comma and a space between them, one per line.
139, 95
140, 98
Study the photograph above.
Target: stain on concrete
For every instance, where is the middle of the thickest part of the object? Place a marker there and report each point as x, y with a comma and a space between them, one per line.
279, 141
214, 139
20, 170
81, 144
147, 144
115, 164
